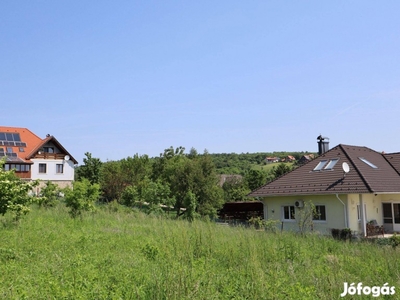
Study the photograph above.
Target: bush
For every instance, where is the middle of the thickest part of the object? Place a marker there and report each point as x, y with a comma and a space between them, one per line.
82, 197
49, 195
14, 193
259, 223
394, 240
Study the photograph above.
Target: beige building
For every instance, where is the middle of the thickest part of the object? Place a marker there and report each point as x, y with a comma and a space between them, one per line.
349, 186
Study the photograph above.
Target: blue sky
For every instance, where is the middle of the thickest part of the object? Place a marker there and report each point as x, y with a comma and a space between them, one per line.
125, 77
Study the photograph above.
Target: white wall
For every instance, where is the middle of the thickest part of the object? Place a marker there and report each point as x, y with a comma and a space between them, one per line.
51, 174
334, 211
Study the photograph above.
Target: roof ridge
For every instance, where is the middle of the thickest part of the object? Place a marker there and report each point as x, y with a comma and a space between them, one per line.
385, 155
46, 140
391, 153
355, 166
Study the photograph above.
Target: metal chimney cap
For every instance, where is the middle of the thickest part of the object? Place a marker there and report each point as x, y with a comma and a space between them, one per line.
321, 138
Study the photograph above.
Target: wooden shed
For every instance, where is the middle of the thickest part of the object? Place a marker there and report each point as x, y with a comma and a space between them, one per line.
241, 210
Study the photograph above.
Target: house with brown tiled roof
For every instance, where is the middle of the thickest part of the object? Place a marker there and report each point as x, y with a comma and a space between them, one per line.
35, 158
306, 158
348, 185
288, 158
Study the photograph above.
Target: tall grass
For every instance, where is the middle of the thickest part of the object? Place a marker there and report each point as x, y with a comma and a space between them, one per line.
123, 254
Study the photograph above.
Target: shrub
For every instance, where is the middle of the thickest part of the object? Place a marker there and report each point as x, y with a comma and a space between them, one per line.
150, 251
82, 197
394, 240
14, 193
49, 195
268, 225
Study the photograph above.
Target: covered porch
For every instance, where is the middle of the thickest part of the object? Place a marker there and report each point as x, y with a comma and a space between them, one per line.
374, 214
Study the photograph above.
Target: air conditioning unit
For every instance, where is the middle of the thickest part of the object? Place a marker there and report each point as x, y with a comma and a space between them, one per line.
299, 203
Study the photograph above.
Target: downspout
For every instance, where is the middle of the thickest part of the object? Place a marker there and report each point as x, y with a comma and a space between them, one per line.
346, 225
363, 216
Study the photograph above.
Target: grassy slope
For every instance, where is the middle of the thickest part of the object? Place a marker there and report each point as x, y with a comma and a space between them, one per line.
269, 167
120, 255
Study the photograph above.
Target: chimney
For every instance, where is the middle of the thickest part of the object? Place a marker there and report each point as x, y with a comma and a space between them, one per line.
323, 144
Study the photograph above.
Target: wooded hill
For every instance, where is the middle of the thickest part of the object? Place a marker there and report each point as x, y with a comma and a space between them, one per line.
233, 163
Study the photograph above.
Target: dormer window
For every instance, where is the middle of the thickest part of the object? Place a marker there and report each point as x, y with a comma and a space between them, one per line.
368, 163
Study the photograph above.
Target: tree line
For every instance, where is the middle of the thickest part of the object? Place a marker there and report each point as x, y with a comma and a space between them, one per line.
234, 163
188, 183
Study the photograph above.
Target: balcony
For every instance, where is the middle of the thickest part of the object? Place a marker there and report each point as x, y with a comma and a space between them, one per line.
46, 155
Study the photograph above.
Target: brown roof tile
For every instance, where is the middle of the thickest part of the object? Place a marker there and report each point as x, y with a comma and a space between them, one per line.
362, 178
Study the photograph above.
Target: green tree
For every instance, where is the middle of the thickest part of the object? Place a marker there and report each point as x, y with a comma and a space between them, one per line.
14, 193
130, 195
194, 173
305, 216
255, 178
235, 189
112, 181
116, 176
190, 204
280, 170
90, 170
81, 197
156, 194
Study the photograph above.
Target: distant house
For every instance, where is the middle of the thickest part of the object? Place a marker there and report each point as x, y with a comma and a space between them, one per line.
288, 158
35, 158
306, 158
272, 159
349, 186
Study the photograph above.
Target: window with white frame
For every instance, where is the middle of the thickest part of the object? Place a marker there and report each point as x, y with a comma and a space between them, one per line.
320, 213
288, 213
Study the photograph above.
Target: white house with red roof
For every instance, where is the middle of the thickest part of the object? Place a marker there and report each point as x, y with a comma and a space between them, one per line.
35, 158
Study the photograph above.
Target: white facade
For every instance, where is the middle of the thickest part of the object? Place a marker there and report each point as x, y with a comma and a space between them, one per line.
54, 170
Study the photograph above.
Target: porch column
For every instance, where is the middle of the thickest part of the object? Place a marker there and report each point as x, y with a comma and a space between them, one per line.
362, 212
265, 209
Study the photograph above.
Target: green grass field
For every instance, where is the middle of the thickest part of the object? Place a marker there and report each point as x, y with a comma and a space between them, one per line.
118, 253
270, 166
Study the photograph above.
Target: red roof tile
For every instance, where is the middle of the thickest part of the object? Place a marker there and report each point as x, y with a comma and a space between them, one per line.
33, 143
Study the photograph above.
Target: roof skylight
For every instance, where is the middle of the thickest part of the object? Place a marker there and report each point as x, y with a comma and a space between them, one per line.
331, 164
368, 163
320, 165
